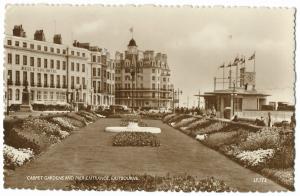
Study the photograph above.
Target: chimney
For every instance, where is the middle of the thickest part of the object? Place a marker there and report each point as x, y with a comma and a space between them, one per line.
39, 35
57, 39
19, 31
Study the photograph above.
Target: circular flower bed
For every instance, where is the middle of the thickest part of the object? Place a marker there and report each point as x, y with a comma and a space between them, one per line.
135, 139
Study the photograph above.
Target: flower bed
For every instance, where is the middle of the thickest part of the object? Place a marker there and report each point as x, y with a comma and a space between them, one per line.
184, 122
284, 177
251, 146
152, 183
16, 157
135, 139
64, 123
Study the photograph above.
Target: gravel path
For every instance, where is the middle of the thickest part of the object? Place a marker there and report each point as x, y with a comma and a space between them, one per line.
89, 151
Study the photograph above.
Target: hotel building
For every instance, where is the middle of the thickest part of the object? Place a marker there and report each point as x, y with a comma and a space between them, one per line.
142, 78
55, 73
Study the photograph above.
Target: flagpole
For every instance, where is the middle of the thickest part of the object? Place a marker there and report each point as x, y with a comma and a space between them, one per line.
254, 62
223, 75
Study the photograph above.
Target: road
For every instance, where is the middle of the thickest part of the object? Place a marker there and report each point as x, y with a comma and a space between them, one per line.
89, 151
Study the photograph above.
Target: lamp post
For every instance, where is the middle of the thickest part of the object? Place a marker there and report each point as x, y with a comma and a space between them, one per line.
7, 95
77, 86
178, 92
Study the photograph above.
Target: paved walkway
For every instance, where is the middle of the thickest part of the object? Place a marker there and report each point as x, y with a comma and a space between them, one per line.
89, 151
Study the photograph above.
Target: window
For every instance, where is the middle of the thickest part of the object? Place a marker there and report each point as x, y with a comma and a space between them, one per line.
17, 94
72, 53
52, 64
45, 80
72, 82
58, 51
78, 53
45, 48
64, 51
24, 60
64, 65
94, 58
39, 62
164, 79
51, 49
83, 67
39, 79
17, 76
24, 77
32, 46
17, 59
77, 80
57, 96
94, 71
57, 80
83, 82
45, 95
24, 45
153, 70
39, 95
9, 42
32, 61
77, 67
17, 43
153, 95
39, 47
98, 59
31, 78
9, 94
153, 86
57, 64
9, 76
83, 54
72, 66
64, 80
99, 72
51, 95
45, 63
9, 58
31, 95
153, 78
52, 80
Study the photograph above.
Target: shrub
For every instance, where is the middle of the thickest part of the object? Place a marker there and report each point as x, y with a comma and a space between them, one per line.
267, 138
168, 117
215, 140
184, 122
284, 177
16, 157
211, 128
63, 123
135, 139
257, 158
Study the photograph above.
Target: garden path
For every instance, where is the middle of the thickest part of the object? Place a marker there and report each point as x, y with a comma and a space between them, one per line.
89, 151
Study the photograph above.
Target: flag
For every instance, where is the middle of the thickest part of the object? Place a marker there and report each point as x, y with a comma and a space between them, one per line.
252, 57
131, 29
222, 66
242, 60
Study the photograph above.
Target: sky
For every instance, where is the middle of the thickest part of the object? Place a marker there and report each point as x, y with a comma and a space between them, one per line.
196, 40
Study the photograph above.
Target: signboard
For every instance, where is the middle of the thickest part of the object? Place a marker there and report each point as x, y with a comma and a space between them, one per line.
249, 78
27, 68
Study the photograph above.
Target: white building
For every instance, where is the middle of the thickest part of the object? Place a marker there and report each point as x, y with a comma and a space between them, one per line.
56, 74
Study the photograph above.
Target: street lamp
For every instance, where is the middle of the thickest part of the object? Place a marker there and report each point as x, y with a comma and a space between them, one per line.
178, 92
7, 95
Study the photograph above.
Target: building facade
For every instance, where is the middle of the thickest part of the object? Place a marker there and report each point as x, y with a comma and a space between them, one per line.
142, 78
55, 73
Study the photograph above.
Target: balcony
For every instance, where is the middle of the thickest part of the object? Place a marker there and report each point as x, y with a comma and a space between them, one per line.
18, 83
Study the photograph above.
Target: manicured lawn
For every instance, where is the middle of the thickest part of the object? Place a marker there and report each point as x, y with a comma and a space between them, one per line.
89, 151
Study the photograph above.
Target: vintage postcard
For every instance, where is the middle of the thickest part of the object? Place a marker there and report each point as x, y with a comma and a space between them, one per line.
149, 98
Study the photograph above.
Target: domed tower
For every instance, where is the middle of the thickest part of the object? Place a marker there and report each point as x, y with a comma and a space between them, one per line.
132, 50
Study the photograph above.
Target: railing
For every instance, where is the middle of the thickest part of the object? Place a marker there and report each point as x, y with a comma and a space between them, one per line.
143, 89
